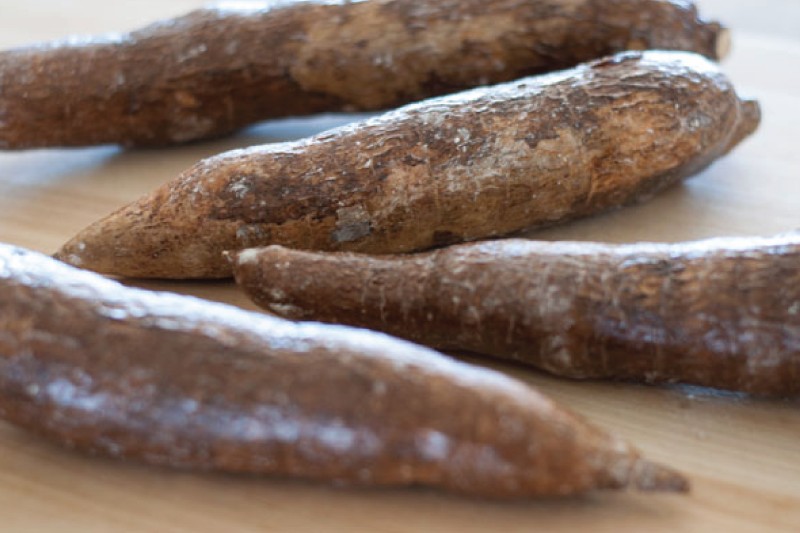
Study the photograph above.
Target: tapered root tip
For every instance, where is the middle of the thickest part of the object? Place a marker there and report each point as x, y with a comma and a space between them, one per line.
70, 254
648, 476
93, 248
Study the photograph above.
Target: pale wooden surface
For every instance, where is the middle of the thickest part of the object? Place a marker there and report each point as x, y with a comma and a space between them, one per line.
743, 455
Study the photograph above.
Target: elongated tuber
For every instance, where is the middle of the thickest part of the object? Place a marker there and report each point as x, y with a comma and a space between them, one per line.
721, 313
216, 70
176, 381
463, 167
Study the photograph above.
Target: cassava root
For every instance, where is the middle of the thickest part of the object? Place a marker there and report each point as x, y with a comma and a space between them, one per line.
216, 70
172, 380
721, 313
483, 163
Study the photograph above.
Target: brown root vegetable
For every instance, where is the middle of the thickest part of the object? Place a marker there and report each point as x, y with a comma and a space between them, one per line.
172, 380
216, 70
478, 164
721, 313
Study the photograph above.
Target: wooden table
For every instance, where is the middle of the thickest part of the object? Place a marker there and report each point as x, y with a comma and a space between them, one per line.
742, 454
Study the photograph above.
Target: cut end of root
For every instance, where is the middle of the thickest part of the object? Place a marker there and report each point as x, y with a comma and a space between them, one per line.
649, 476
749, 120
722, 43
248, 256
751, 114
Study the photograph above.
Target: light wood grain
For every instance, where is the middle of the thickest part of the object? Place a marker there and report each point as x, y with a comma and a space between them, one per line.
742, 454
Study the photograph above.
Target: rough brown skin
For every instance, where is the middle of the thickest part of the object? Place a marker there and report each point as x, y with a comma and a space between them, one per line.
478, 164
722, 313
176, 381
216, 70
